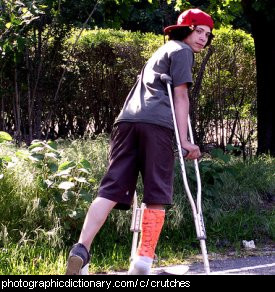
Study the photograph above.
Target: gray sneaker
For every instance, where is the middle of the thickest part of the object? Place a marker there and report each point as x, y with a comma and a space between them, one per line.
78, 258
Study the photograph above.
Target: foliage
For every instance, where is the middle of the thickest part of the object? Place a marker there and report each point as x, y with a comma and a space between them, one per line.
39, 217
98, 78
45, 110
103, 69
4, 159
49, 189
69, 182
225, 111
15, 22
237, 200
4, 137
25, 32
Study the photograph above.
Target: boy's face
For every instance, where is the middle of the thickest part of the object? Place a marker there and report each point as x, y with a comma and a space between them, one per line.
198, 38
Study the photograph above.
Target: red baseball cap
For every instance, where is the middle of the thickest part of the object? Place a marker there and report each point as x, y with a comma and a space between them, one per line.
191, 17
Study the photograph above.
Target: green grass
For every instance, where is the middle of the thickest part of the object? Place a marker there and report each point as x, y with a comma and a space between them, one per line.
37, 228
28, 259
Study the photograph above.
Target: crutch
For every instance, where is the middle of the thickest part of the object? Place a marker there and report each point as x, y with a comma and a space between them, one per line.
136, 224
196, 207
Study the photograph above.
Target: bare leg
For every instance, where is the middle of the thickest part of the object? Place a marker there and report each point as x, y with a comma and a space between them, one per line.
79, 257
95, 218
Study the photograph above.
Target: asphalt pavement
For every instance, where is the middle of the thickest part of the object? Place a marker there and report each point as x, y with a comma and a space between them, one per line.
253, 262
251, 265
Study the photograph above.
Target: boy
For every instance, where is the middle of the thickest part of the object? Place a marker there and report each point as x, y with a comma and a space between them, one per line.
142, 141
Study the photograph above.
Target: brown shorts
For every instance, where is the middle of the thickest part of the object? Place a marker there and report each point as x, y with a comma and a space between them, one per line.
139, 147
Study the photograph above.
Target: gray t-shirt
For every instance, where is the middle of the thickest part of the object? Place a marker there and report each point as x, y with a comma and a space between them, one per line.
148, 101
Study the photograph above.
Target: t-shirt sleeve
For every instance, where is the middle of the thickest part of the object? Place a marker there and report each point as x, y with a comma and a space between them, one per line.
181, 67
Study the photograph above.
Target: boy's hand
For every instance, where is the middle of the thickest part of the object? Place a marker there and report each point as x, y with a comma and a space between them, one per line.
192, 149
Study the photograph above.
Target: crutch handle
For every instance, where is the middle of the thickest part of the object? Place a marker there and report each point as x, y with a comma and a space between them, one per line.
166, 78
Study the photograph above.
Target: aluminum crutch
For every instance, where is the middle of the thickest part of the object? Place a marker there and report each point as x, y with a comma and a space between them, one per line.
196, 207
136, 224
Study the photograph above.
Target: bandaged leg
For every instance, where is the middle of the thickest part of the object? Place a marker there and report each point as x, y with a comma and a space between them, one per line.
152, 222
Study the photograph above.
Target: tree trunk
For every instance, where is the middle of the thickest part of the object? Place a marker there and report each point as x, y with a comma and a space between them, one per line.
195, 95
17, 110
265, 62
2, 124
262, 25
2, 116
29, 94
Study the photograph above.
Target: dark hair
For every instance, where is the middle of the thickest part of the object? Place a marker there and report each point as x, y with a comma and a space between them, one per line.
181, 33
210, 38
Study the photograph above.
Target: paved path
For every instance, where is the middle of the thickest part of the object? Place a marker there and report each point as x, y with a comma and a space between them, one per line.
260, 261
253, 263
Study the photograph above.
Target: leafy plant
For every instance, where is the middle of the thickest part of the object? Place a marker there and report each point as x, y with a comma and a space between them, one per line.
4, 137
69, 182
4, 159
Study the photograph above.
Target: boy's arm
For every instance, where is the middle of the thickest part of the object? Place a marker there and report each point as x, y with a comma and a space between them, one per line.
181, 103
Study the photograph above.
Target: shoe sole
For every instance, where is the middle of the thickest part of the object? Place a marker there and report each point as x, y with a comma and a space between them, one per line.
74, 265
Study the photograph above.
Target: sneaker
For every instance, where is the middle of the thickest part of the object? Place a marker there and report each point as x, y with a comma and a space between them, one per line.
79, 258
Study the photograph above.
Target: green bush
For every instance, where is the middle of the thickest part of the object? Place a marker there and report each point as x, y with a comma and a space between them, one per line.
106, 66
225, 110
103, 68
